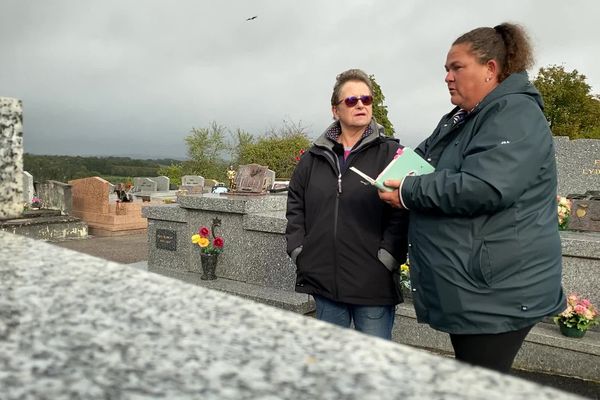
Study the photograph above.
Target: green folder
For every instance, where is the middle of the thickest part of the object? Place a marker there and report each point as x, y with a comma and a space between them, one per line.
407, 163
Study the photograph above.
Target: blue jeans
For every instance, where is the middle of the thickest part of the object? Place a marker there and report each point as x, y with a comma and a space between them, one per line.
372, 320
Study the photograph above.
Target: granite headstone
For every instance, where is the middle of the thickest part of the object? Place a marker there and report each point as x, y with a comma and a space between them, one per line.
252, 179
162, 183
578, 165
11, 158
192, 184
28, 190
146, 185
90, 195
55, 196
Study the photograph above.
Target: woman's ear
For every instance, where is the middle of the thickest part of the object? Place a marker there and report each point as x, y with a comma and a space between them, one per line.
493, 70
334, 113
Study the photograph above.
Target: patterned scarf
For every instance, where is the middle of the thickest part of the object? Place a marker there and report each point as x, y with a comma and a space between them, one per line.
459, 117
335, 131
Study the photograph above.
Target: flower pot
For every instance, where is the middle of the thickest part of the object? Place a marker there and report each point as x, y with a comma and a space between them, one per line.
209, 266
570, 332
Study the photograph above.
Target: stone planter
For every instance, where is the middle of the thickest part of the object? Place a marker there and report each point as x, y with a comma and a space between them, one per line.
570, 332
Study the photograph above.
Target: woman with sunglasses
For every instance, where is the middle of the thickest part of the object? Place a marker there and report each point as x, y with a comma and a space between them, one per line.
346, 244
484, 249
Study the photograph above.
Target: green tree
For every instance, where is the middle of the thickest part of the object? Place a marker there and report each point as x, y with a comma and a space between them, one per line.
206, 147
174, 172
278, 152
380, 111
240, 140
569, 106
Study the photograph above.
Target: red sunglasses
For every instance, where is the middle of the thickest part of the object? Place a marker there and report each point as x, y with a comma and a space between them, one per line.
353, 100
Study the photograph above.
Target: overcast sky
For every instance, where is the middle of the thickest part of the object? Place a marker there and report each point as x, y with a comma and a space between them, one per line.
128, 77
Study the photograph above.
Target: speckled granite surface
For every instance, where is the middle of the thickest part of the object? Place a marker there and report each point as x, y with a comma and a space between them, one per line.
274, 222
11, 158
581, 264
73, 326
254, 241
577, 165
238, 204
581, 244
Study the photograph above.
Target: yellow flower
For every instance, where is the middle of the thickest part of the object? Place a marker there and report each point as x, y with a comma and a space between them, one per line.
404, 267
201, 241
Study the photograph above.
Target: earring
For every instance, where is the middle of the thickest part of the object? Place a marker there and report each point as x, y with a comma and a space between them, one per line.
487, 79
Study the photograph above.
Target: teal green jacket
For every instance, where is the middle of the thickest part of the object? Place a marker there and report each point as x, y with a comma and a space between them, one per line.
484, 248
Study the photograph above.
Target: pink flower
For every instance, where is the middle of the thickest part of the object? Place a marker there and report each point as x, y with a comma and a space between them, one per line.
398, 153
586, 302
204, 231
218, 242
579, 309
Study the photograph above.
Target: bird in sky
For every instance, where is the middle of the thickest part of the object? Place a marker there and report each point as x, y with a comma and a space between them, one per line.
251, 18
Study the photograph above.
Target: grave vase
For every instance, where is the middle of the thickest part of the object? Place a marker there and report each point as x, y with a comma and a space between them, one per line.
209, 266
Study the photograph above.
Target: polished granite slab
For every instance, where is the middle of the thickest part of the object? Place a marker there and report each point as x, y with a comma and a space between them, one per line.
75, 326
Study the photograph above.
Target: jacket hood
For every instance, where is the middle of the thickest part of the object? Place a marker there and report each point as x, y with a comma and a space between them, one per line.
377, 131
517, 83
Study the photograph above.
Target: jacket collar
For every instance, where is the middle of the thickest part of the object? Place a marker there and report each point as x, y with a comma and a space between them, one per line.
377, 132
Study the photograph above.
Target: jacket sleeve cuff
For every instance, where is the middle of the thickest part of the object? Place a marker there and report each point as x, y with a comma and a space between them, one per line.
400, 194
295, 253
387, 259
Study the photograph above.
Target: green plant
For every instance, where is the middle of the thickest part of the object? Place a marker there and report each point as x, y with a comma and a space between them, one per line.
580, 314
405, 275
36, 202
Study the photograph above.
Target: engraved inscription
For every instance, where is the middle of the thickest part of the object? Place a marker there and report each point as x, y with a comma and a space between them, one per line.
592, 171
166, 239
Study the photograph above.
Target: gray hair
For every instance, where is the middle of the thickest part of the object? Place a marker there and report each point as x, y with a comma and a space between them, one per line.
350, 75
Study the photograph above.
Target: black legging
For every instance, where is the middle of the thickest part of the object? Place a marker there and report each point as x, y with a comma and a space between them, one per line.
495, 351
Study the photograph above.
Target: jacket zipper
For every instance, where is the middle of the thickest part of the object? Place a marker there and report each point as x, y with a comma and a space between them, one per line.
335, 161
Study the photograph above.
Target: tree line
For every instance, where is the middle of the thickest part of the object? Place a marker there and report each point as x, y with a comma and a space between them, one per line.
66, 168
570, 107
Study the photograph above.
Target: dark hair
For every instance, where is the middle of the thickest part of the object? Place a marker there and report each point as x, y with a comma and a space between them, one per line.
350, 75
506, 43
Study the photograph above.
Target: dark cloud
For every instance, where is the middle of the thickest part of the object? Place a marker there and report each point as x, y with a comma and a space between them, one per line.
133, 77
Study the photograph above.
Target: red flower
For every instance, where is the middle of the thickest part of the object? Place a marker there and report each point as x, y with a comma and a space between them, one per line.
204, 231
218, 242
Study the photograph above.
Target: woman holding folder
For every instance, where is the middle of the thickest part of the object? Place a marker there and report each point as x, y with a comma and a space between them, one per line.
484, 246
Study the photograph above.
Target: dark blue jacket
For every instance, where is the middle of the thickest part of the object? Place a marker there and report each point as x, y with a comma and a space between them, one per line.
484, 248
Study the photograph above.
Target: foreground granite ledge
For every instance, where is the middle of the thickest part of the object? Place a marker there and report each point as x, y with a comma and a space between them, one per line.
75, 326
